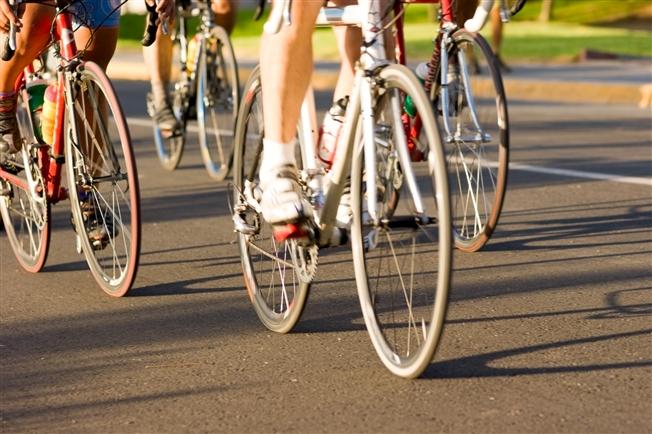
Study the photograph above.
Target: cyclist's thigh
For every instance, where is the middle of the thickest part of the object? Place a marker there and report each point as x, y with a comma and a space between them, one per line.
464, 10
99, 32
100, 44
30, 41
225, 13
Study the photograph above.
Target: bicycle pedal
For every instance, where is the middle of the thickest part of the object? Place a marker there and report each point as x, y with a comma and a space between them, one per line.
172, 133
11, 168
301, 233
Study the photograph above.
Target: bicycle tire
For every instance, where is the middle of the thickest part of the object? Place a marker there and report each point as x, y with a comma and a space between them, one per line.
170, 149
278, 308
477, 189
218, 95
103, 181
381, 294
26, 219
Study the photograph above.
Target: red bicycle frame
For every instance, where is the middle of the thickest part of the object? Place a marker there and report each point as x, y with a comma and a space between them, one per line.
50, 158
413, 129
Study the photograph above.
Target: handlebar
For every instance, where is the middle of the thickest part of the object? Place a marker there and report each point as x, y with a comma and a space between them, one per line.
260, 8
151, 25
8, 44
479, 19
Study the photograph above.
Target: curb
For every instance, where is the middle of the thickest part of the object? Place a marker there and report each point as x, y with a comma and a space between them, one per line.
529, 90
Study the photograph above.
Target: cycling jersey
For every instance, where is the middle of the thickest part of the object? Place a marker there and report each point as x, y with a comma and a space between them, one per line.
96, 13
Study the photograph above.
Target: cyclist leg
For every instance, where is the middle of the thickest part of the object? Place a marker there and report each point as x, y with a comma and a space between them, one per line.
98, 32
32, 38
497, 36
158, 61
225, 13
286, 69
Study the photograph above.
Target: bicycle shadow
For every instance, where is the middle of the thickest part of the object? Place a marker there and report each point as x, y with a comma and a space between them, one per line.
592, 228
478, 366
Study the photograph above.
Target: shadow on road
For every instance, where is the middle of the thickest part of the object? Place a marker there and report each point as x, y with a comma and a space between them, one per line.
478, 366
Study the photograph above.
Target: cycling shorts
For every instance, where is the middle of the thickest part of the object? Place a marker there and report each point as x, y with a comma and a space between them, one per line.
96, 13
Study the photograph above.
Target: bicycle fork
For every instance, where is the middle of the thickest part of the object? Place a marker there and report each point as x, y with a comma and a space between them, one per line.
369, 87
446, 91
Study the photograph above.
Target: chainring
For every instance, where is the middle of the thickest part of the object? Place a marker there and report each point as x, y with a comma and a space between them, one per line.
305, 260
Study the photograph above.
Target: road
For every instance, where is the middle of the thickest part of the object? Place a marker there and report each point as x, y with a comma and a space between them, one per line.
548, 329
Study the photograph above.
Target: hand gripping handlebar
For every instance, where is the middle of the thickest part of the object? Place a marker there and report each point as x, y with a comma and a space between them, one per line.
8, 40
151, 25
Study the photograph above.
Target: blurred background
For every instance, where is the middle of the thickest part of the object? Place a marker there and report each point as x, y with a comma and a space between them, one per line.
544, 31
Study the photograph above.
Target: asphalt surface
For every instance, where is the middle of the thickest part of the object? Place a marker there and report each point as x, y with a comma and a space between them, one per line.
548, 328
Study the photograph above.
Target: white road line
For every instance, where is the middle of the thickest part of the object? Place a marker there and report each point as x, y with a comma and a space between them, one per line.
146, 122
582, 174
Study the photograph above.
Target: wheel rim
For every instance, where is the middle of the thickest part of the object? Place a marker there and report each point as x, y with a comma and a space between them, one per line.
276, 292
405, 261
104, 189
217, 102
476, 159
25, 212
27, 223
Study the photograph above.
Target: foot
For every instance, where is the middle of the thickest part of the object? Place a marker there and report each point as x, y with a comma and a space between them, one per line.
283, 204
164, 117
10, 140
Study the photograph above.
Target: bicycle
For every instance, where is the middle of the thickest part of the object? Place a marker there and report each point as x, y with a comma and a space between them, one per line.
393, 220
464, 83
207, 88
91, 135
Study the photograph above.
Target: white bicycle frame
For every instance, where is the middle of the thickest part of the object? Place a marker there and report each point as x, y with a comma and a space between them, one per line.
327, 188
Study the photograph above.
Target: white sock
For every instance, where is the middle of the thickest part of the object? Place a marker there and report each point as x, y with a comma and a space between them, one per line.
276, 154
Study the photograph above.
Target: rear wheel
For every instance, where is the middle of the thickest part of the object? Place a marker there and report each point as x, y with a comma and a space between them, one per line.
103, 182
477, 152
402, 261
277, 288
218, 94
24, 207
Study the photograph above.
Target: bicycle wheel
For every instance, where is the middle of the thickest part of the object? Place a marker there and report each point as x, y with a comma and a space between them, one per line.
218, 94
402, 262
169, 145
277, 288
24, 207
103, 181
477, 152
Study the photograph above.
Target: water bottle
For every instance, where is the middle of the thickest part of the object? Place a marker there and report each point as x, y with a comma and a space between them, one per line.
193, 51
36, 94
421, 72
49, 114
329, 132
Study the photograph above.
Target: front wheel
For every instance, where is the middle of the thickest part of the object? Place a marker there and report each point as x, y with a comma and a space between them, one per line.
170, 144
103, 182
403, 260
218, 94
477, 143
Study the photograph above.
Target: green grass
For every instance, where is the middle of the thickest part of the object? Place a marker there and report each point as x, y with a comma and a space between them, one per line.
525, 38
560, 41
586, 11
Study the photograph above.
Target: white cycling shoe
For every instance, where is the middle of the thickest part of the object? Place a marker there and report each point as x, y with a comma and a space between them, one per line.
283, 204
